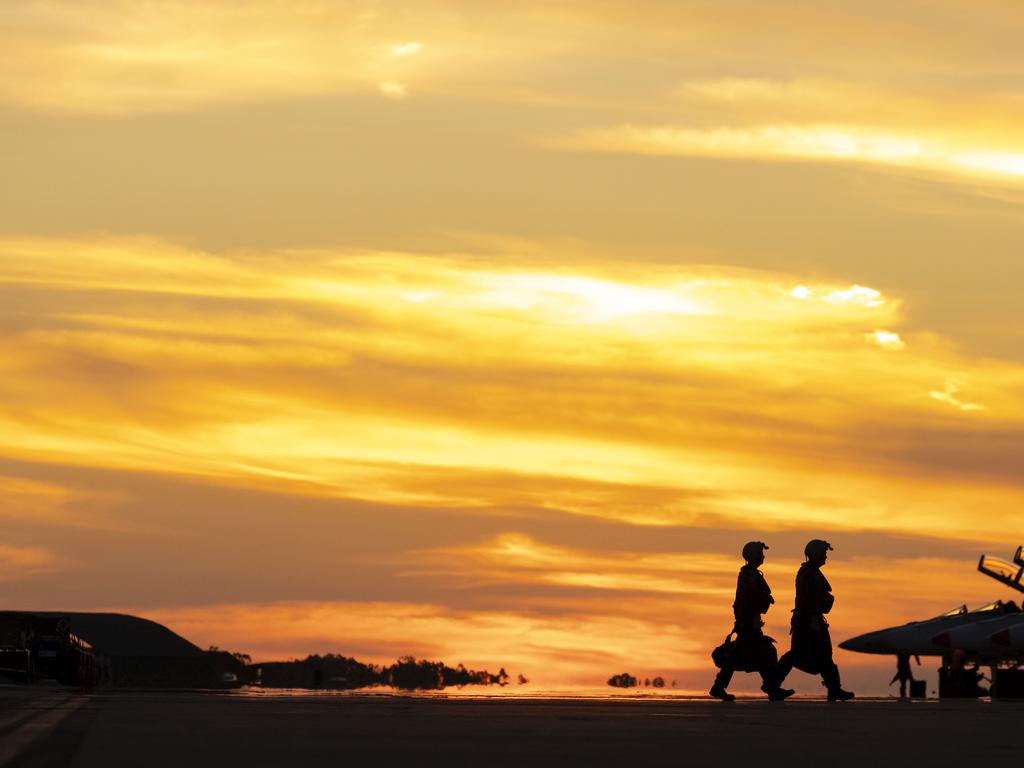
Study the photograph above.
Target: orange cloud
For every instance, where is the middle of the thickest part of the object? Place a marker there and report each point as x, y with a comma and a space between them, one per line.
584, 640
548, 649
651, 394
20, 563
520, 559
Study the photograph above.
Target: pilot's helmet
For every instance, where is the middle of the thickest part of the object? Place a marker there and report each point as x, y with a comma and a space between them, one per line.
752, 550
816, 549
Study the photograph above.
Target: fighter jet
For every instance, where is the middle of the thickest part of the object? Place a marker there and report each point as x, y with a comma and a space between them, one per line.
992, 635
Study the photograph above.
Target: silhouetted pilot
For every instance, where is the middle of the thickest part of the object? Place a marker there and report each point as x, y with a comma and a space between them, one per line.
811, 649
752, 650
903, 672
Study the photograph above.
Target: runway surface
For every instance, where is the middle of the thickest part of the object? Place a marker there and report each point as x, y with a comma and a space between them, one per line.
116, 729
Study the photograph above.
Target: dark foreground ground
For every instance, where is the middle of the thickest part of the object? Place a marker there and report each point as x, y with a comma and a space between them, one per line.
196, 729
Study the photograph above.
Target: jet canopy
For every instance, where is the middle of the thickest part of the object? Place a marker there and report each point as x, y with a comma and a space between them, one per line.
996, 608
999, 607
1005, 572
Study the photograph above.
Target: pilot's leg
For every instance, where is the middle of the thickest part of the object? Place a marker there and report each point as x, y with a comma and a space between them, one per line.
722, 680
772, 684
830, 676
767, 663
784, 667
768, 667
830, 679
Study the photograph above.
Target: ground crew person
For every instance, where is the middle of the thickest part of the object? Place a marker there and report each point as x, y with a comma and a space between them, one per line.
752, 650
903, 672
811, 649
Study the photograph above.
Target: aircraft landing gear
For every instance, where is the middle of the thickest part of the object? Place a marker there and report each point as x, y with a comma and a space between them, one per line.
961, 683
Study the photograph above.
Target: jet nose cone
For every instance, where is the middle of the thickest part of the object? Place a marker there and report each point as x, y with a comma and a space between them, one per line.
871, 642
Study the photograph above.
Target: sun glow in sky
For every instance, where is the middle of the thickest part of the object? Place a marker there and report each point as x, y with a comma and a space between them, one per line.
492, 334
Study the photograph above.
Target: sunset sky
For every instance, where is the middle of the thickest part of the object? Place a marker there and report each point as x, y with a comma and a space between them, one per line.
490, 331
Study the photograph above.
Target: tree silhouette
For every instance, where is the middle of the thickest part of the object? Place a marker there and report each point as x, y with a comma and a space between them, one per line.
625, 680
341, 672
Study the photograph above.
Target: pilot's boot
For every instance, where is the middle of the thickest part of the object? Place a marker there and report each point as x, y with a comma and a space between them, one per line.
838, 694
777, 693
721, 681
771, 685
718, 692
830, 679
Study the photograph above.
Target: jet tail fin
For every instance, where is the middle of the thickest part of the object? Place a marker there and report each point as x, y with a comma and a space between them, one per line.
1006, 573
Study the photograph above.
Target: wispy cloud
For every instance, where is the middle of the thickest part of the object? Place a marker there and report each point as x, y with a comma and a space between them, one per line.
950, 394
519, 559
702, 392
20, 563
835, 143
117, 57
887, 339
114, 57
406, 49
392, 90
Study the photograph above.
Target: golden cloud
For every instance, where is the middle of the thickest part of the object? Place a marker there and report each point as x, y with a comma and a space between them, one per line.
519, 559
115, 56
869, 144
654, 394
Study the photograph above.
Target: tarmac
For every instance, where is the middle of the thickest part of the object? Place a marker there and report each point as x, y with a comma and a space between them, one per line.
115, 728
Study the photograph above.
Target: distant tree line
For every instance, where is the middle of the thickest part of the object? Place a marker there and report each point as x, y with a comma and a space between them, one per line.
344, 673
626, 680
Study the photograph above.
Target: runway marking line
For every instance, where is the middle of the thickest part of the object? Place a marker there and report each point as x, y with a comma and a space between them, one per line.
22, 734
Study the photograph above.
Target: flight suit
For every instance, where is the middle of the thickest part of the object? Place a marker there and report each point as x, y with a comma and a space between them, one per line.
903, 673
753, 651
811, 649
